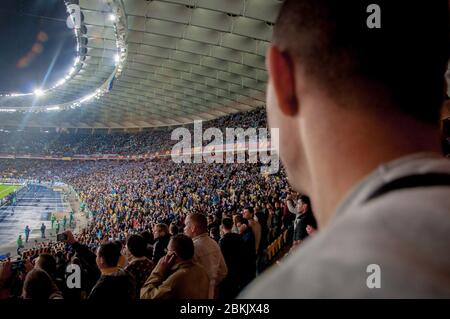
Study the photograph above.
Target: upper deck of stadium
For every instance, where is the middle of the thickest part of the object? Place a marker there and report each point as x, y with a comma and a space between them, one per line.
145, 64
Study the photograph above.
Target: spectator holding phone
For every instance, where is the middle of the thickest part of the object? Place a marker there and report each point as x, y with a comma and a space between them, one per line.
177, 276
114, 283
12, 275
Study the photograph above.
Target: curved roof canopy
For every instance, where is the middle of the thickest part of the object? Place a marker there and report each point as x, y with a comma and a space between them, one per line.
155, 63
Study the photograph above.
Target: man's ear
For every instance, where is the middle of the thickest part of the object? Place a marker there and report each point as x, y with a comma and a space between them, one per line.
282, 75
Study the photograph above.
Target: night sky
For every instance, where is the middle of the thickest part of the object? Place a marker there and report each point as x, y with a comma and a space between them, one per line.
33, 35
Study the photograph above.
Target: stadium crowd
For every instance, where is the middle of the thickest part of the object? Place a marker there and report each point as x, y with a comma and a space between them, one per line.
158, 229
66, 143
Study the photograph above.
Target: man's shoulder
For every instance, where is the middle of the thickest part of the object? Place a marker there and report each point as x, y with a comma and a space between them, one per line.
231, 237
404, 234
205, 245
189, 267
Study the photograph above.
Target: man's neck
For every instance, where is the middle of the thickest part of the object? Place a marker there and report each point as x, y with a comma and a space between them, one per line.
355, 146
106, 271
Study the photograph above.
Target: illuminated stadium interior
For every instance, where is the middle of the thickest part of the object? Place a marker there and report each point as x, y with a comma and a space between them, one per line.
143, 148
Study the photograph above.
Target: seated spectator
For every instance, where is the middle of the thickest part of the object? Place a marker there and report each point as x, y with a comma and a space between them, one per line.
232, 248
176, 276
207, 252
38, 285
139, 266
162, 237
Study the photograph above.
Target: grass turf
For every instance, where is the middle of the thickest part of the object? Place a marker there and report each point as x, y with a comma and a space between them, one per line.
5, 190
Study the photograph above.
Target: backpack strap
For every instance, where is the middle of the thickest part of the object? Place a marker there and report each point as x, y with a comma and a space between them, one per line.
412, 181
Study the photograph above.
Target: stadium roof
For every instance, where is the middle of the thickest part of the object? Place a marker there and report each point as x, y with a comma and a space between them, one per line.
143, 63
156, 63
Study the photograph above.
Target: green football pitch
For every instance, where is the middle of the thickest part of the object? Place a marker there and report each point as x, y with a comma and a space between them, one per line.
5, 190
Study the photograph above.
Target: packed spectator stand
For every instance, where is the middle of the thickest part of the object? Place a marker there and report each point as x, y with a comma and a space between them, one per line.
236, 222
87, 141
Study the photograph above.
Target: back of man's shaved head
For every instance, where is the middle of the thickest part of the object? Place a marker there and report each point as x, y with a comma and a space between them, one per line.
405, 60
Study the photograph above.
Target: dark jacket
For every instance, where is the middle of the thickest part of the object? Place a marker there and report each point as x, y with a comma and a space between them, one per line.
116, 286
248, 269
160, 248
140, 270
88, 264
232, 247
300, 224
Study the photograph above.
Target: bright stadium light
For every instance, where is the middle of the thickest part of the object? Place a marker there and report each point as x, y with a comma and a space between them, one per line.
38, 92
112, 17
61, 82
117, 58
53, 108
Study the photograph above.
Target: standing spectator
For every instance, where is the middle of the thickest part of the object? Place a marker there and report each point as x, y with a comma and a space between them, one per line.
71, 218
235, 228
211, 223
304, 217
38, 285
288, 218
114, 283
19, 244
177, 276
232, 248
173, 229
64, 222
276, 220
53, 219
6, 279
214, 233
255, 226
43, 230
162, 237
47, 263
207, 252
249, 259
27, 233
57, 226
139, 266
148, 237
